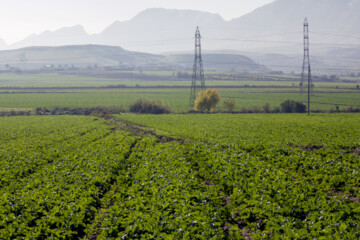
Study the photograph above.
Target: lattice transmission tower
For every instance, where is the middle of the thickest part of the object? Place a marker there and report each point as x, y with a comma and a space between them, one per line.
198, 71
306, 70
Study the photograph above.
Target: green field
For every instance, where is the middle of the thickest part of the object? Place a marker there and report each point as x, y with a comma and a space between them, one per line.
157, 78
29, 91
193, 176
176, 99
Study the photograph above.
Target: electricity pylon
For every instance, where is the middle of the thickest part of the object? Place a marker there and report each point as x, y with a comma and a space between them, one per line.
306, 70
198, 71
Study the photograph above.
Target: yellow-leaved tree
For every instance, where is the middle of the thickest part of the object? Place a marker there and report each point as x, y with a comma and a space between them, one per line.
207, 100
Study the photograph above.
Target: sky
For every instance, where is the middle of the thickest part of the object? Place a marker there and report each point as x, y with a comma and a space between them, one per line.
21, 18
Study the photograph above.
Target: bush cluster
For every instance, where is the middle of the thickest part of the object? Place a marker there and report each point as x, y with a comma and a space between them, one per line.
290, 106
229, 104
77, 111
15, 113
143, 105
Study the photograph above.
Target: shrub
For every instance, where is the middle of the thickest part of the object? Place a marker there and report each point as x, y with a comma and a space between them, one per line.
207, 100
266, 108
298, 107
15, 113
77, 111
286, 106
142, 105
253, 109
229, 104
276, 110
290, 106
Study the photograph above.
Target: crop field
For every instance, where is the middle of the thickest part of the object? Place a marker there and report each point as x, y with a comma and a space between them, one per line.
177, 99
193, 176
156, 78
29, 91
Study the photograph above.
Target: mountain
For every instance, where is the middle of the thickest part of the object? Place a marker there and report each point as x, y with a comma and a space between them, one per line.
160, 30
330, 21
98, 56
274, 30
64, 36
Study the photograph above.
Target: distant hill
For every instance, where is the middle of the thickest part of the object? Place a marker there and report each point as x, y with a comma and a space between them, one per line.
65, 36
219, 61
83, 56
275, 29
330, 21
160, 30
74, 55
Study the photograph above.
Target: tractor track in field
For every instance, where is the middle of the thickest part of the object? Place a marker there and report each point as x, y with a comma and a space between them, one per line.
135, 131
139, 131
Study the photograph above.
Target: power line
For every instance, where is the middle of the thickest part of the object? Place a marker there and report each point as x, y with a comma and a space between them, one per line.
334, 34
252, 40
160, 56
282, 42
320, 67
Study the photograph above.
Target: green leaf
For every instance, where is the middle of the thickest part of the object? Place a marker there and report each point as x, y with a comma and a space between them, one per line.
356, 210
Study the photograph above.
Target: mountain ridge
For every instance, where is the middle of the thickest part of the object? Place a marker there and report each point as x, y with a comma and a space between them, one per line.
272, 30
161, 30
64, 36
100, 56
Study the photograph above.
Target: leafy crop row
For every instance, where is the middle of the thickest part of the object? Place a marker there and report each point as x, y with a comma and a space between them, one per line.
56, 191
324, 149
236, 176
278, 173
162, 198
268, 202
203, 192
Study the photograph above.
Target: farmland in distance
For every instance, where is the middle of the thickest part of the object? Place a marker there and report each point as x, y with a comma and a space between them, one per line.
250, 92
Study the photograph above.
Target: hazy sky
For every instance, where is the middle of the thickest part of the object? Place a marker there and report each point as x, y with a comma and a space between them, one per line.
20, 18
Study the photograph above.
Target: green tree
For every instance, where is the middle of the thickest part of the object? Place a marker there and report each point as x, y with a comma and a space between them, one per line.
207, 100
